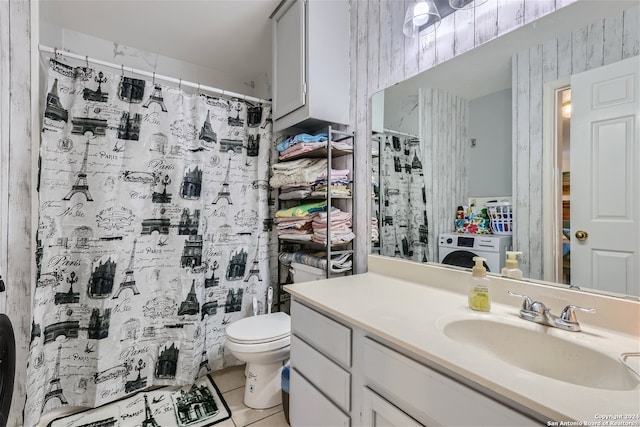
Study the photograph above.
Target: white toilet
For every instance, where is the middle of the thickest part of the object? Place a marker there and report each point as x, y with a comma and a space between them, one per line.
263, 343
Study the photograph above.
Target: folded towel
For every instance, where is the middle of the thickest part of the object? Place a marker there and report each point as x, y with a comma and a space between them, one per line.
303, 137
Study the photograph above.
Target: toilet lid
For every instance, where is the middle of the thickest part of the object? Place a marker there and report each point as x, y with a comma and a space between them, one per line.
260, 329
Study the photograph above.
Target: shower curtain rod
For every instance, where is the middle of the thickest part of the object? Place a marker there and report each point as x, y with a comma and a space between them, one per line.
153, 75
399, 133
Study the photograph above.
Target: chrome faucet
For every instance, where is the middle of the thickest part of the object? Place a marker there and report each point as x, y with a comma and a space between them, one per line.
535, 311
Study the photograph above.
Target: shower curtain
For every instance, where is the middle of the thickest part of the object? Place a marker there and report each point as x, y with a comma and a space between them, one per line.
152, 235
403, 221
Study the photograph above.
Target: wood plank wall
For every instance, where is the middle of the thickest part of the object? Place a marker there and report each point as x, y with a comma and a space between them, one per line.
382, 56
16, 249
603, 42
444, 122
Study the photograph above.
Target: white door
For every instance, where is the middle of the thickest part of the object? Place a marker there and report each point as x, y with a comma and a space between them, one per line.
605, 178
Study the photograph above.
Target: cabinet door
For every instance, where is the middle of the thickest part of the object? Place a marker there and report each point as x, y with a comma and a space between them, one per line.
289, 58
310, 408
377, 412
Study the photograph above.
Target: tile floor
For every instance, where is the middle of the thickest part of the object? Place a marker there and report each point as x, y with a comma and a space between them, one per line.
230, 382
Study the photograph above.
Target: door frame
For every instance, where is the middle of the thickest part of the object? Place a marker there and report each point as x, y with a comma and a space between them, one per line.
551, 183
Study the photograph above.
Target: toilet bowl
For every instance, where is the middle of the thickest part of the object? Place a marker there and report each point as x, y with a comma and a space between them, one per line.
263, 342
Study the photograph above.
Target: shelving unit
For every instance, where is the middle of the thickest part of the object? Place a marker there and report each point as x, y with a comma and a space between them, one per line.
290, 245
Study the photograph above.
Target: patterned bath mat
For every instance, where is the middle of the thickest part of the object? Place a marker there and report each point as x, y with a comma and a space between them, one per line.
197, 405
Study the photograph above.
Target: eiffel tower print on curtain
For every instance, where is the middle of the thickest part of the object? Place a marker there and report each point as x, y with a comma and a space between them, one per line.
156, 98
224, 192
54, 389
129, 282
81, 185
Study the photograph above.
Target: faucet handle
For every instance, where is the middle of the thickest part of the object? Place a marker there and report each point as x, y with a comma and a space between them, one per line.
569, 314
526, 304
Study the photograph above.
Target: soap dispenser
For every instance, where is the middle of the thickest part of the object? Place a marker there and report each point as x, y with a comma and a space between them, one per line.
479, 290
511, 266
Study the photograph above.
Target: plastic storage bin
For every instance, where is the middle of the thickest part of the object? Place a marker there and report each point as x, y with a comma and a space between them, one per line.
306, 273
501, 215
285, 391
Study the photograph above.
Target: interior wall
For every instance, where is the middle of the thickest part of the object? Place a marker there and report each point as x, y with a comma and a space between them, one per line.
603, 42
16, 249
130, 56
381, 56
490, 157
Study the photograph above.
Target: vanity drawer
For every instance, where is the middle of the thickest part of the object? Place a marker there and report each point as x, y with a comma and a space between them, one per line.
309, 407
430, 396
328, 377
326, 335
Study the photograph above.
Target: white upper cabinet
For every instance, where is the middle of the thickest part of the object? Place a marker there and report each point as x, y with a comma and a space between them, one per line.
310, 63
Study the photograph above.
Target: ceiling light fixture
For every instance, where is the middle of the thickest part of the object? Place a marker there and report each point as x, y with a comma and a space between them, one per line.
465, 4
422, 18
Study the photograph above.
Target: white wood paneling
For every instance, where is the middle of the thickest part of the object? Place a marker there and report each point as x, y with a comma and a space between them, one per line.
443, 125
510, 15
579, 50
411, 49
595, 44
397, 41
536, 9
631, 33
16, 192
486, 22
361, 201
535, 154
522, 229
612, 39
445, 39
427, 52
464, 39
550, 60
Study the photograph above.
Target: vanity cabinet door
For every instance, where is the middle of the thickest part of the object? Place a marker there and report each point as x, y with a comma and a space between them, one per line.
377, 412
309, 407
430, 396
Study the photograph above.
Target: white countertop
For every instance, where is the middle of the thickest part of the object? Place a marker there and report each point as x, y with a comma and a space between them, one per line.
411, 315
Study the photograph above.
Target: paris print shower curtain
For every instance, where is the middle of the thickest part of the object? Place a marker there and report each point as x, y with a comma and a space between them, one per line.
403, 220
152, 235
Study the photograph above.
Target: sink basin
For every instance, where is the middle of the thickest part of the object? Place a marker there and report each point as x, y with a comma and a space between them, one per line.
543, 354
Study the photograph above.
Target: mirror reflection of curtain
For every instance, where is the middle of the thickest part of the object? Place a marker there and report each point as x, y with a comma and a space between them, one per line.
444, 122
403, 222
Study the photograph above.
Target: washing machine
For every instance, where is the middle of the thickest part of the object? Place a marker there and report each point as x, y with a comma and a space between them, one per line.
459, 249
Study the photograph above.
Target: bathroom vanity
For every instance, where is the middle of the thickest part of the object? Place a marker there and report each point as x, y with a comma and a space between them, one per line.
399, 346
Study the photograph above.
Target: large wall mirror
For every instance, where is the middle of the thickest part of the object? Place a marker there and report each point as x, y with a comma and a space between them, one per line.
519, 121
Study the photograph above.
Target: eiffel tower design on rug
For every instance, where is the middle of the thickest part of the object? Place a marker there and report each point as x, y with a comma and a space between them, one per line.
54, 391
255, 266
224, 192
129, 282
149, 421
81, 185
156, 96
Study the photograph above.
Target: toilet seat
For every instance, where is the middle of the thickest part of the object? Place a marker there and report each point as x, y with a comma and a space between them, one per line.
267, 330
258, 347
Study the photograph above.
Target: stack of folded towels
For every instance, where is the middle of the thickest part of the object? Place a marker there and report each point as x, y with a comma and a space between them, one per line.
302, 178
375, 234
340, 227
338, 263
296, 223
302, 143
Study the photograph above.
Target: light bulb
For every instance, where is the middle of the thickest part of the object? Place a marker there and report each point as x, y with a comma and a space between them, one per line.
566, 110
420, 13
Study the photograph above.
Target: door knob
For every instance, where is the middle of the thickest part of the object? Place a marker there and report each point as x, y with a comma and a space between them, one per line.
582, 235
